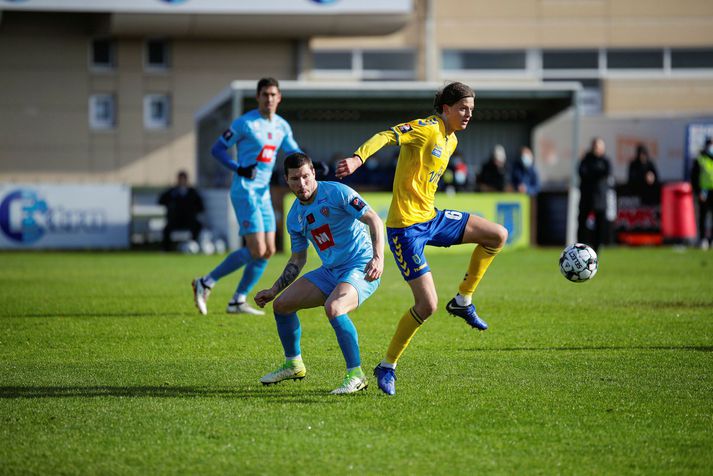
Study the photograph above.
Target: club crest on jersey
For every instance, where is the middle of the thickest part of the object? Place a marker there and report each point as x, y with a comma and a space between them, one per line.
437, 151
227, 135
323, 237
325, 211
310, 218
404, 128
357, 203
269, 136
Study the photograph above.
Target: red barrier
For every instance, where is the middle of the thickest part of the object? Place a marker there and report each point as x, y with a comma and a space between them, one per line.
678, 218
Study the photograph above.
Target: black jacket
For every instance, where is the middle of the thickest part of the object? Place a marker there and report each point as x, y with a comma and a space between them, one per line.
594, 175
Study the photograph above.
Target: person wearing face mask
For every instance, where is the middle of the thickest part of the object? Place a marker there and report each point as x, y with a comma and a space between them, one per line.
183, 204
524, 176
702, 183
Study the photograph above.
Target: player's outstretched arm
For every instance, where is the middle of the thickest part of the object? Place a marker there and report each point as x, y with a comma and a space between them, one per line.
350, 164
289, 274
375, 267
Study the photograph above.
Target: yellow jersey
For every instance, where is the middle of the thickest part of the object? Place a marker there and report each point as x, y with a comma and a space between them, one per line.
424, 155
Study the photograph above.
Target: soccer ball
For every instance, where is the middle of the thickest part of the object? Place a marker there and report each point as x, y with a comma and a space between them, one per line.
578, 263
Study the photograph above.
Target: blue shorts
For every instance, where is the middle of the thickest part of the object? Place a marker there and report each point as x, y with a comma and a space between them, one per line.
407, 244
253, 210
326, 280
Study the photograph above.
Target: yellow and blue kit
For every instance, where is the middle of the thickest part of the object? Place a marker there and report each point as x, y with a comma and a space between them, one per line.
413, 221
425, 151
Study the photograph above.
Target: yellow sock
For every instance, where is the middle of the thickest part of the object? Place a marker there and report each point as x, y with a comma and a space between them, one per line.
408, 325
479, 261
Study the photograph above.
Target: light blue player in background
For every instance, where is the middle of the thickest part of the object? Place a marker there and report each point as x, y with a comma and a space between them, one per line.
257, 136
332, 217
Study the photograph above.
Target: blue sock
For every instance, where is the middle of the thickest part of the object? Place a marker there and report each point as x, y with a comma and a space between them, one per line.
348, 340
251, 275
289, 330
231, 263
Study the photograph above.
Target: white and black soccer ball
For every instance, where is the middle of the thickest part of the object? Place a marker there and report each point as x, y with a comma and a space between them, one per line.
578, 263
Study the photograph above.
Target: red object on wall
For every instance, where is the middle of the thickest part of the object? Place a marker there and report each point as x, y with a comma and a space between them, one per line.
678, 218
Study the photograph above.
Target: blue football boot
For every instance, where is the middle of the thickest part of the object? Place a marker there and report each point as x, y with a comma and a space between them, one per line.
467, 313
386, 379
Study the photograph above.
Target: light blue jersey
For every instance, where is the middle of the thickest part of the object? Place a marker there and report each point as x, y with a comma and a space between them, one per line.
257, 141
331, 223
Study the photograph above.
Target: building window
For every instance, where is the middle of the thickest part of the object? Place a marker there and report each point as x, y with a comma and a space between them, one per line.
635, 59
157, 111
388, 60
570, 59
693, 58
102, 111
366, 65
157, 54
333, 60
484, 60
102, 54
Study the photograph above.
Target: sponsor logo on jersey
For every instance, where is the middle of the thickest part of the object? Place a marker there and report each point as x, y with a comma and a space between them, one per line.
266, 154
310, 218
404, 128
324, 211
323, 237
227, 135
357, 203
437, 151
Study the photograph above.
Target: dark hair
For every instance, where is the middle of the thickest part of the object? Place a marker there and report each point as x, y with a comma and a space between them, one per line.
266, 83
296, 160
182, 173
451, 94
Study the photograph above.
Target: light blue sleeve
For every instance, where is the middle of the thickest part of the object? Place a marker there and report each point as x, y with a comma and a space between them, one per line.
297, 240
233, 133
351, 201
289, 145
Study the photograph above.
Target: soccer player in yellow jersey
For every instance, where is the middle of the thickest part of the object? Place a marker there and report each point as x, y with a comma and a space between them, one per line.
414, 221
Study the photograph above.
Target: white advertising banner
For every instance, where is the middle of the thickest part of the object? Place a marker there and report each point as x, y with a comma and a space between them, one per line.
70, 216
240, 7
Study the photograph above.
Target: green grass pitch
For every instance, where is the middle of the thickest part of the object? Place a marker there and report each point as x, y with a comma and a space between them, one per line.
107, 368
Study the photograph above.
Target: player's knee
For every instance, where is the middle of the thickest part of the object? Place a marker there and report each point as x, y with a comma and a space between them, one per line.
426, 308
257, 251
333, 309
282, 306
501, 236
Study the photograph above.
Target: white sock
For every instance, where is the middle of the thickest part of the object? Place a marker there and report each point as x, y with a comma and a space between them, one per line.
387, 365
239, 298
296, 358
208, 281
463, 300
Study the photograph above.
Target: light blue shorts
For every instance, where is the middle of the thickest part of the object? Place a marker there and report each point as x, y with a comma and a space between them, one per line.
327, 280
253, 210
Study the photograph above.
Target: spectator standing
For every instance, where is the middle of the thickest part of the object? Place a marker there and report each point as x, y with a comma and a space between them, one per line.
702, 183
643, 178
524, 176
595, 184
183, 204
493, 175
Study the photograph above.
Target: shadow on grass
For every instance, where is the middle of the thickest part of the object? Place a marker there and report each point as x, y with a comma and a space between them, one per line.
698, 348
101, 314
270, 395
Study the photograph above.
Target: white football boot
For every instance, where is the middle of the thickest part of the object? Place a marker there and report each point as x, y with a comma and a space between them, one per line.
354, 381
200, 295
291, 369
243, 308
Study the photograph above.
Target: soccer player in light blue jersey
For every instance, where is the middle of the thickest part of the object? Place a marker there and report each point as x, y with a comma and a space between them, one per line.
257, 135
349, 239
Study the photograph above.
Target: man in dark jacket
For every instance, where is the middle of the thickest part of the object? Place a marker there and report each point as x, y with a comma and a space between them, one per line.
183, 204
643, 178
594, 185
